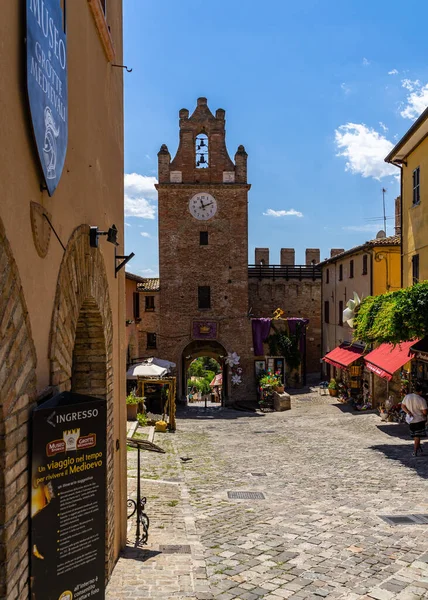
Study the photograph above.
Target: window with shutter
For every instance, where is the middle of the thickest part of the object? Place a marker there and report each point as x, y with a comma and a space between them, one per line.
204, 296
136, 305
326, 311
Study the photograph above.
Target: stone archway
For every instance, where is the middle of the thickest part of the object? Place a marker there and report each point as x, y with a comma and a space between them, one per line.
81, 343
17, 394
198, 348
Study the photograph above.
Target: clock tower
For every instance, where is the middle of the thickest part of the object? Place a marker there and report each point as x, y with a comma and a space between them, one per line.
203, 252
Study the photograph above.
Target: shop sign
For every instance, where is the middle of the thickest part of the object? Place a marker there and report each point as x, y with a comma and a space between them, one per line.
204, 330
68, 498
47, 85
421, 356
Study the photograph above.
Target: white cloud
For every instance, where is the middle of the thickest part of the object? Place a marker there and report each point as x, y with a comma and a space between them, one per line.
282, 213
393, 72
416, 101
139, 191
128, 224
384, 127
366, 62
369, 227
146, 271
365, 150
345, 88
148, 157
145, 234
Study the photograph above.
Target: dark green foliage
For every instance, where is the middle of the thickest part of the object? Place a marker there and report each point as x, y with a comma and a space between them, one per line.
283, 344
393, 317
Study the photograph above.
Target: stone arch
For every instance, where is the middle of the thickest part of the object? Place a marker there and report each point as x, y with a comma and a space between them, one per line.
197, 348
17, 393
81, 343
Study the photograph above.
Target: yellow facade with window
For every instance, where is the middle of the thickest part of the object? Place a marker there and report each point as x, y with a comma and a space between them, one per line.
411, 155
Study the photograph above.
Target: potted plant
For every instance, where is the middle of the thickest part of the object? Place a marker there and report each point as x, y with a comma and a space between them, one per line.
132, 406
333, 387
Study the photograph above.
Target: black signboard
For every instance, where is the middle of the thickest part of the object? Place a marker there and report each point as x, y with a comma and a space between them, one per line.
47, 85
68, 498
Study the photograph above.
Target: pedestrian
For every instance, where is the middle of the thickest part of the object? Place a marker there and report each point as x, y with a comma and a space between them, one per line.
416, 408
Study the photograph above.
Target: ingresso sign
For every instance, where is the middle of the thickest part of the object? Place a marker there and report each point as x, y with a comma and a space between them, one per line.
47, 85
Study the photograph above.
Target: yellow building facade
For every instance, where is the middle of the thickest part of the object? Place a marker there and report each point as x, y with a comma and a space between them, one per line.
411, 156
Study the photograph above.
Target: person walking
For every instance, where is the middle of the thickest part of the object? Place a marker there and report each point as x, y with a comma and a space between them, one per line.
416, 408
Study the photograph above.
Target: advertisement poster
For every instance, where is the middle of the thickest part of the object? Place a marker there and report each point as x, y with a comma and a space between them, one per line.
68, 498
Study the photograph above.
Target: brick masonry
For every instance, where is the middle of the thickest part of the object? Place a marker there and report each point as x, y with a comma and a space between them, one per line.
17, 395
81, 343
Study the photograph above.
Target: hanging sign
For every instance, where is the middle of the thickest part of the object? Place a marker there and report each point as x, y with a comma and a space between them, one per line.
68, 498
47, 85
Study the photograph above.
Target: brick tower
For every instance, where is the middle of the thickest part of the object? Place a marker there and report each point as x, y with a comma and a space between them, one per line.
203, 250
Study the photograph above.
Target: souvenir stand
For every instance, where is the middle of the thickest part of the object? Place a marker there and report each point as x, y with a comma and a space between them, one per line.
350, 376
419, 366
167, 387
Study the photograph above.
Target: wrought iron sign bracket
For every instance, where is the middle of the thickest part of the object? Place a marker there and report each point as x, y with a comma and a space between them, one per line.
124, 258
122, 67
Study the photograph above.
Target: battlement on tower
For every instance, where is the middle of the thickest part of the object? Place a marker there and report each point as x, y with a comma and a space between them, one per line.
287, 257
202, 156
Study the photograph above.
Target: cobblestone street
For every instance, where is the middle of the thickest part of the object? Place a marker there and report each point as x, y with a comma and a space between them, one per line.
327, 476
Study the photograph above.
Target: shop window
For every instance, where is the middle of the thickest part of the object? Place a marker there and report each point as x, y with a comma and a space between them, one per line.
415, 268
351, 269
201, 151
151, 341
204, 296
203, 238
136, 305
326, 311
150, 303
416, 186
327, 276
340, 322
340, 272
365, 257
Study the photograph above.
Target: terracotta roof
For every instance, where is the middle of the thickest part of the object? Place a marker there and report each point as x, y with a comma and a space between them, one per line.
149, 284
134, 277
392, 240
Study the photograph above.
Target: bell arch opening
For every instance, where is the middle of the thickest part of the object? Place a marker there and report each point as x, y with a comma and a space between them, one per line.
201, 151
204, 348
89, 361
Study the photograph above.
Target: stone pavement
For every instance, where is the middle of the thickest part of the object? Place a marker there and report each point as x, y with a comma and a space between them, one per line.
327, 475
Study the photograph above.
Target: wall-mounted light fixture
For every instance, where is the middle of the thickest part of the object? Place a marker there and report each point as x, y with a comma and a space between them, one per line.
95, 233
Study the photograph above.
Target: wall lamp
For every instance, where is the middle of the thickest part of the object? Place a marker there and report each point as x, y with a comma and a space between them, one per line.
95, 233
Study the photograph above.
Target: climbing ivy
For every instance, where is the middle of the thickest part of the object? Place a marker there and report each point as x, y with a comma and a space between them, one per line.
393, 317
284, 344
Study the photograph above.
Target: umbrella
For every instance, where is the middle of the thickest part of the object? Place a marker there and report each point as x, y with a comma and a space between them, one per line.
160, 362
145, 370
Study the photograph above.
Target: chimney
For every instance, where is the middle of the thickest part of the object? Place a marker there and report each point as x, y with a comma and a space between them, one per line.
262, 256
336, 251
312, 256
398, 215
287, 257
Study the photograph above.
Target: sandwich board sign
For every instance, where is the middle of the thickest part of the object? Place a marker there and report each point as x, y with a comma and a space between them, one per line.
47, 84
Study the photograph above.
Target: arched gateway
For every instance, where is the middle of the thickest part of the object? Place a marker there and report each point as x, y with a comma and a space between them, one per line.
197, 348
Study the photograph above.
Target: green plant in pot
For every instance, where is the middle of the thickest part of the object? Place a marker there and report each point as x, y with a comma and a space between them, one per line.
132, 406
333, 387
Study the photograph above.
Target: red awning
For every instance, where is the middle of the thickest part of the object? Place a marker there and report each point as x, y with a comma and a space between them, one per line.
343, 355
387, 359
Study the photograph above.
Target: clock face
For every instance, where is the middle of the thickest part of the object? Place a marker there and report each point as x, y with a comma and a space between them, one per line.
202, 206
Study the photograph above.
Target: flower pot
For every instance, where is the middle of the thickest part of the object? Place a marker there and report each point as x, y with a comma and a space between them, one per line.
279, 389
332, 392
131, 412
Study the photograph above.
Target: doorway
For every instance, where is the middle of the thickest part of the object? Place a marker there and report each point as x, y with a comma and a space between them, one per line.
203, 376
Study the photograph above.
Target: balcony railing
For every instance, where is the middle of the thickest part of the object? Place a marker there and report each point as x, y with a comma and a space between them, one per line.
285, 272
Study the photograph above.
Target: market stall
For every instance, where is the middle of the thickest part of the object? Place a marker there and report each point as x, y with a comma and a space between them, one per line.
159, 395
349, 379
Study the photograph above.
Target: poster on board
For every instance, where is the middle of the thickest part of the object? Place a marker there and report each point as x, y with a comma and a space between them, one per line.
68, 498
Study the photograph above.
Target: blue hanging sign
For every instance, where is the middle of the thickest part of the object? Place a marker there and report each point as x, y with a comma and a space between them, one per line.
47, 85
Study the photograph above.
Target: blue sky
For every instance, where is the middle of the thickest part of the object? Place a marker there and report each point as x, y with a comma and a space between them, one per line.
318, 92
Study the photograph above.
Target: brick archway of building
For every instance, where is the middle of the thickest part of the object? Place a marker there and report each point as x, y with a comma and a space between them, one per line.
81, 343
17, 394
197, 348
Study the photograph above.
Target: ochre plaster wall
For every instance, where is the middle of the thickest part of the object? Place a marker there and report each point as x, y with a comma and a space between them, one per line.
90, 191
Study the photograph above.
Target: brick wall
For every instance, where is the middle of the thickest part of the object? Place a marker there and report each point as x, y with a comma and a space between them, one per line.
17, 395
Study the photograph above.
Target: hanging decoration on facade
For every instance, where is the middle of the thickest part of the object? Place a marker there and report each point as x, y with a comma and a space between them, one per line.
349, 312
47, 85
233, 361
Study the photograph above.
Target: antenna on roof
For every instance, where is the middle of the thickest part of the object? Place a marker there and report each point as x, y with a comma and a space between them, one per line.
384, 213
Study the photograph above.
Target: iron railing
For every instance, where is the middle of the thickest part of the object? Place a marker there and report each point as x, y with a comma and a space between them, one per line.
285, 272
